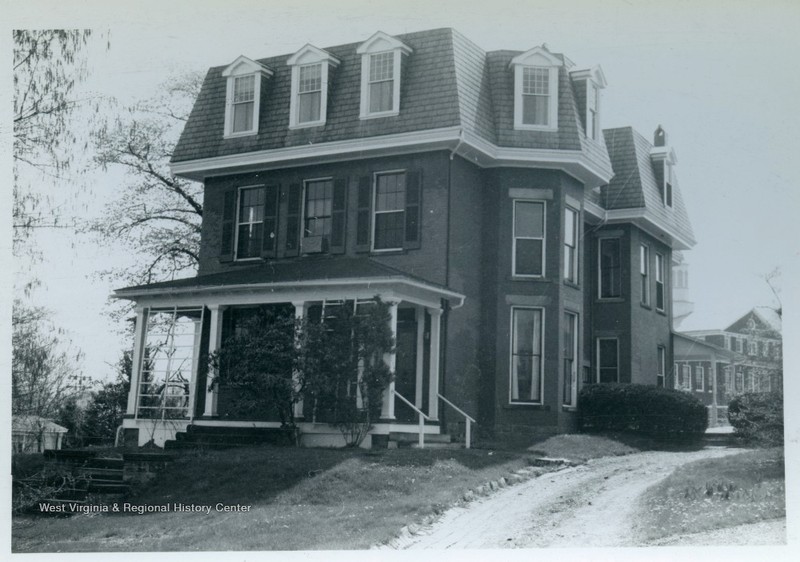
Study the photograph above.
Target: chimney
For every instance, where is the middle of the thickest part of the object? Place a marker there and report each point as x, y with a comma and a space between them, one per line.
660, 137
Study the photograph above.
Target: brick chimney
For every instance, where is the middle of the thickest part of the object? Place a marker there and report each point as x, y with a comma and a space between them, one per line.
660, 137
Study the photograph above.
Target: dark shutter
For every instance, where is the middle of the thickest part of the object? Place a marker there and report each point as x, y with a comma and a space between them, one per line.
271, 202
413, 210
227, 234
363, 215
293, 220
338, 216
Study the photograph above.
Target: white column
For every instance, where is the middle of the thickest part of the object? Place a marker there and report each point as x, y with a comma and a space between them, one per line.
433, 388
299, 314
138, 349
387, 408
214, 341
420, 355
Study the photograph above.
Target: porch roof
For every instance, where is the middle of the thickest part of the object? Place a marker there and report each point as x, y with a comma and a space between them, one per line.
300, 275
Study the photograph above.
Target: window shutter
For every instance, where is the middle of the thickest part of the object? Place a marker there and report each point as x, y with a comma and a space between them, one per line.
363, 215
227, 235
293, 220
271, 203
339, 216
413, 210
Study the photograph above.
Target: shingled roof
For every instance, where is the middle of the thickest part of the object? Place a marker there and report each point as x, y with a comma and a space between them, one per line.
447, 81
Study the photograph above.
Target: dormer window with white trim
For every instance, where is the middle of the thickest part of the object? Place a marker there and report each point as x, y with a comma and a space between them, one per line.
663, 159
243, 96
536, 90
593, 80
310, 77
381, 62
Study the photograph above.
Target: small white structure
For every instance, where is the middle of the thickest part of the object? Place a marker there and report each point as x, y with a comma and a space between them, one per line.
34, 434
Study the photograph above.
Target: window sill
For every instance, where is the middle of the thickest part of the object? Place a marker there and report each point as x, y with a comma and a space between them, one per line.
525, 406
647, 306
572, 284
306, 125
565, 408
537, 278
379, 115
545, 128
609, 299
240, 134
388, 252
661, 312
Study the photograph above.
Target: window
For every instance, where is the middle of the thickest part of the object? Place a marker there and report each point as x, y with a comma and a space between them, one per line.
318, 212
686, 383
390, 201
571, 245
381, 58
739, 345
662, 366
752, 347
250, 222
529, 229
667, 184
309, 93
607, 360
536, 90
243, 95
660, 296
592, 110
526, 355
610, 283
699, 378
739, 381
311, 69
570, 358
644, 271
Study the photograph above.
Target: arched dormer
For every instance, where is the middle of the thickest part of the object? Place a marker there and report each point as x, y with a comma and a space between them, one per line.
243, 96
381, 61
536, 90
311, 70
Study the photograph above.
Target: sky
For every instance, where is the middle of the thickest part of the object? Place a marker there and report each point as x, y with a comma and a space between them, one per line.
718, 76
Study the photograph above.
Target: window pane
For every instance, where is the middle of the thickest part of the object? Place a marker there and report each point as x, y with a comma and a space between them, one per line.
381, 66
569, 227
607, 360
535, 110
390, 193
536, 80
310, 79
389, 230
610, 269
250, 237
319, 205
243, 117
244, 88
309, 107
526, 355
529, 219
381, 96
528, 259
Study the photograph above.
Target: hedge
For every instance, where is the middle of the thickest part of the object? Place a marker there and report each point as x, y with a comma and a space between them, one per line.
758, 417
661, 413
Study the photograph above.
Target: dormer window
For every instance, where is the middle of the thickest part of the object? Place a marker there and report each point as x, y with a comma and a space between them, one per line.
663, 159
243, 96
310, 77
592, 81
536, 90
667, 184
381, 61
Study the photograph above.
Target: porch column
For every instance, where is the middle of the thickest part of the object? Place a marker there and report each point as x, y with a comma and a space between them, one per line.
299, 314
214, 341
140, 332
433, 385
420, 355
387, 408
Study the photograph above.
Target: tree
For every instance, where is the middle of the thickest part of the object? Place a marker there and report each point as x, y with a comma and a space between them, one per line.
105, 411
158, 215
43, 363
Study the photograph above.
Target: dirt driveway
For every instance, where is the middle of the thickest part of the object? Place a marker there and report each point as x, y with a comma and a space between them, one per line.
589, 505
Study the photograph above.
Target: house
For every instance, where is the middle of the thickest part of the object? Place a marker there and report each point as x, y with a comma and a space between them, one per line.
35, 434
523, 250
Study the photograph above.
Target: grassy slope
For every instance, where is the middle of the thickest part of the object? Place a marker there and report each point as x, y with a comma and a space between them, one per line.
716, 493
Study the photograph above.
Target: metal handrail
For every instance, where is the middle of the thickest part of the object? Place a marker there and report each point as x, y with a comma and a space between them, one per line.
422, 418
468, 420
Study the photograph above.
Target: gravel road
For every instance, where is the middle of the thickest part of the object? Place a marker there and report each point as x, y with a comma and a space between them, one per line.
588, 505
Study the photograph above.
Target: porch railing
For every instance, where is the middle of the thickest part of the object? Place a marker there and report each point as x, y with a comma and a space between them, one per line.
469, 420
422, 418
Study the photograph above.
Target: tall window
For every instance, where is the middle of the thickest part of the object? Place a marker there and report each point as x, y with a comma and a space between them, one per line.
607, 360
686, 373
535, 95
644, 271
250, 222
662, 365
660, 297
528, 251
610, 268
309, 93
699, 378
244, 88
570, 245
318, 209
381, 82
668, 184
570, 358
526, 355
592, 110
390, 201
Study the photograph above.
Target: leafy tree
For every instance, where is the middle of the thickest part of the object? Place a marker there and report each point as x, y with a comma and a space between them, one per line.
107, 407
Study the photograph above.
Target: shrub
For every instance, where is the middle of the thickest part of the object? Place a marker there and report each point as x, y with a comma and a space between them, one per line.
758, 417
660, 413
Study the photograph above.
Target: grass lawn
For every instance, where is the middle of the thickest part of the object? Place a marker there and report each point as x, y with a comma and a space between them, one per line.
715, 493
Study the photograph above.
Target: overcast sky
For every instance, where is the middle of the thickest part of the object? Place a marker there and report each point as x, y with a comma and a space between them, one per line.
720, 77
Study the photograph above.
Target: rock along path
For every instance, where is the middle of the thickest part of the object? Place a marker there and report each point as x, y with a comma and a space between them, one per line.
587, 505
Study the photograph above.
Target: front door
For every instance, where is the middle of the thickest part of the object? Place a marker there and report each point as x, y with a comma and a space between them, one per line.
406, 364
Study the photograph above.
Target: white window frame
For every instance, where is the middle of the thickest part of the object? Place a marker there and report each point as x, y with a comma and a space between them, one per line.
514, 238
571, 252
236, 222
661, 367
573, 374
511, 358
377, 44
676, 375
600, 242
240, 68
660, 274
304, 205
597, 357
686, 377
374, 209
644, 273
538, 57
592, 110
306, 57
699, 370
739, 345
